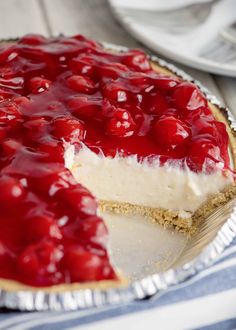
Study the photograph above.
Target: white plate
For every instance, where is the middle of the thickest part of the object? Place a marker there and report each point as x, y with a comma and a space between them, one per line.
193, 43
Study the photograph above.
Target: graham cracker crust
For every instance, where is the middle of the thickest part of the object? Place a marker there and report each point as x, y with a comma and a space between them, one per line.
172, 219
12, 285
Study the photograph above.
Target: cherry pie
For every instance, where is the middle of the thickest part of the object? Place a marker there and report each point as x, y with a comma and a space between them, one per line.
78, 121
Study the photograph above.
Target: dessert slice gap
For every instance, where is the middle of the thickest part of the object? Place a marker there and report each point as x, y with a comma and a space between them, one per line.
183, 220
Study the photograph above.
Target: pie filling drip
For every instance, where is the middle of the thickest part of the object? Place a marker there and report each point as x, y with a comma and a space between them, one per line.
60, 91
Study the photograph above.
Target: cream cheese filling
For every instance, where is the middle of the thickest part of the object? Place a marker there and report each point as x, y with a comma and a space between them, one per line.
127, 180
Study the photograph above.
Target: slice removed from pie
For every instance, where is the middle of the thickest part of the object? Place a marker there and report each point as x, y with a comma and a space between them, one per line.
79, 121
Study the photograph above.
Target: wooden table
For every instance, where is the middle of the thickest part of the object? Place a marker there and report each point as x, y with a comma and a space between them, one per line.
94, 19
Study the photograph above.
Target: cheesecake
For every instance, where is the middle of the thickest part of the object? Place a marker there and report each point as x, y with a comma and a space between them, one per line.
86, 129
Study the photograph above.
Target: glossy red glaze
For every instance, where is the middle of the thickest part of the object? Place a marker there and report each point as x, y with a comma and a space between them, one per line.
61, 90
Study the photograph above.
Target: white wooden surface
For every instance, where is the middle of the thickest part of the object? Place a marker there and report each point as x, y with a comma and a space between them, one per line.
94, 19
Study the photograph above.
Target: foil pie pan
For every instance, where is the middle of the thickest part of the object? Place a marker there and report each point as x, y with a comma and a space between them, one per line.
153, 258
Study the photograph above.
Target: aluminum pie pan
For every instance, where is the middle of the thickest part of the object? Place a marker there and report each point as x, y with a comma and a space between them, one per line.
188, 265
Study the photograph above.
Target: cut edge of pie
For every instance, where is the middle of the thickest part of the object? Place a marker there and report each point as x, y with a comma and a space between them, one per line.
170, 218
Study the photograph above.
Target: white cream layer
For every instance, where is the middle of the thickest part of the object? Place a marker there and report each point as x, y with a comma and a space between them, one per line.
126, 180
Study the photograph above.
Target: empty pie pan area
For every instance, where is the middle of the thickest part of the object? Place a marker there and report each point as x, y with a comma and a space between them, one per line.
151, 257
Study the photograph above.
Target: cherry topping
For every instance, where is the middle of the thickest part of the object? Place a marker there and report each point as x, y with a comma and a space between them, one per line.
115, 91
3, 133
8, 54
171, 132
69, 129
40, 227
9, 114
165, 83
81, 84
11, 191
36, 128
203, 155
121, 124
187, 96
6, 259
51, 151
10, 147
93, 231
137, 60
33, 39
81, 200
82, 265
70, 90
40, 260
38, 85
155, 103
83, 107
5, 94
82, 66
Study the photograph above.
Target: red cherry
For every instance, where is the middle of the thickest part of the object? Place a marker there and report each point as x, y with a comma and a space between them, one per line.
8, 53
10, 147
36, 55
113, 70
36, 124
11, 191
84, 107
121, 124
81, 200
171, 112
69, 129
200, 114
171, 132
142, 121
38, 85
39, 259
3, 133
28, 263
9, 114
15, 83
33, 39
87, 42
36, 128
212, 129
82, 265
136, 60
155, 103
52, 180
52, 151
5, 94
93, 230
81, 84
40, 227
187, 96
7, 259
22, 101
165, 83
115, 91
49, 253
82, 66
221, 134
203, 155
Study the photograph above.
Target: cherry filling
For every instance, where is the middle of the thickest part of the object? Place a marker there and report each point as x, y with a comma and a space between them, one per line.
70, 90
